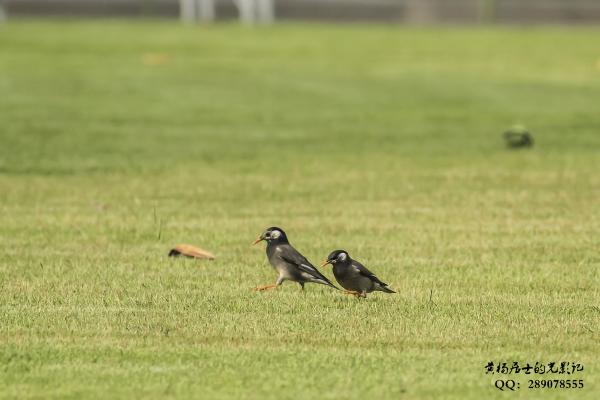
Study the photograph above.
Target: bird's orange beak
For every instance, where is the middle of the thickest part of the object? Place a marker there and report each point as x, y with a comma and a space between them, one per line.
256, 241
326, 262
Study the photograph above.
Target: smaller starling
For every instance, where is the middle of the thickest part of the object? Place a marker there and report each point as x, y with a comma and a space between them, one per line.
353, 276
190, 251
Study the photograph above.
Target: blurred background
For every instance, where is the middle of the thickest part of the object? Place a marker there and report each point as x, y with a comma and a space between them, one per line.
410, 11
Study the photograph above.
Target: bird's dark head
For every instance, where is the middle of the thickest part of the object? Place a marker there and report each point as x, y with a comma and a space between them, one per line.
337, 256
272, 235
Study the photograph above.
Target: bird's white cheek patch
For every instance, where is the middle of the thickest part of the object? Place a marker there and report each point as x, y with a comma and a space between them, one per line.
342, 257
275, 234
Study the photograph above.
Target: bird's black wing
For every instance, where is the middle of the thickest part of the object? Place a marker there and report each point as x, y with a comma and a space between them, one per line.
295, 258
365, 272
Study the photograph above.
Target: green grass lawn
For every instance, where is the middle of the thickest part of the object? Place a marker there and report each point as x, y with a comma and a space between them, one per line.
121, 139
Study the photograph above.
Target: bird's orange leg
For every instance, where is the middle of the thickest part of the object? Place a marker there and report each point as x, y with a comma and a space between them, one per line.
265, 287
353, 293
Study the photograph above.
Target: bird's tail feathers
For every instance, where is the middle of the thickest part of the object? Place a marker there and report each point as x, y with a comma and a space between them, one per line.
386, 289
327, 283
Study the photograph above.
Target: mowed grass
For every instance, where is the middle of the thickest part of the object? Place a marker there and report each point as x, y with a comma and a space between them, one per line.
121, 139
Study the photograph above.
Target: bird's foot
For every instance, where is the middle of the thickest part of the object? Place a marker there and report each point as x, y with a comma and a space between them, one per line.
265, 287
354, 293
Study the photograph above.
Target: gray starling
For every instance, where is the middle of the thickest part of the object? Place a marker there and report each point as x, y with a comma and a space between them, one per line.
353, 276
289, 264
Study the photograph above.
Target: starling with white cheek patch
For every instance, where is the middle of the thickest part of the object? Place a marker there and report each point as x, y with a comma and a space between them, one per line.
353, 276
289, 264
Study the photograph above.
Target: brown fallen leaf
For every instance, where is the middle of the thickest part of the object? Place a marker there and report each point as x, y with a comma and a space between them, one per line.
190, 251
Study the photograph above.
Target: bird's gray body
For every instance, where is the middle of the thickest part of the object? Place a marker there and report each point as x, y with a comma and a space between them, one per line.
354, 276
292, 266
